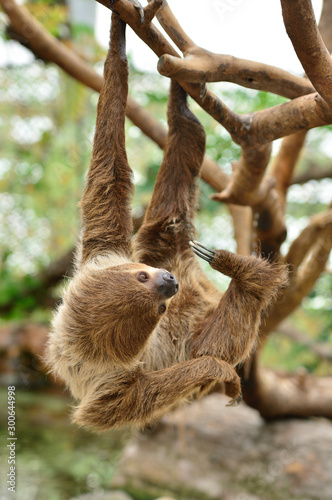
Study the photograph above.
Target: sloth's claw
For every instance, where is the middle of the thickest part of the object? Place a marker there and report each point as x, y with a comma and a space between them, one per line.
139, 7
202, 251
235, 401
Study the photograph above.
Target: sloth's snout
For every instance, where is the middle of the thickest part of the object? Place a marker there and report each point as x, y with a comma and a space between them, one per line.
167, 284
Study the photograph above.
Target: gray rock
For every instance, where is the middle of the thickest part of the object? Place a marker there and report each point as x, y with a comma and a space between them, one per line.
209, 451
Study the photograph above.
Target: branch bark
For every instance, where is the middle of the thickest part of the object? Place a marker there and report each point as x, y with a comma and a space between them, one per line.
200, 65
299, 18
307, 258
313, 173
278, 395
247, 130
320, 349
246, 186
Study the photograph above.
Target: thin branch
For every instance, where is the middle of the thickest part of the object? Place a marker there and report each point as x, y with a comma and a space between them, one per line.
242, 222
283, 166
201, 66
313, 173
303, 243
320, 349
173, 28
302, 278
299, 18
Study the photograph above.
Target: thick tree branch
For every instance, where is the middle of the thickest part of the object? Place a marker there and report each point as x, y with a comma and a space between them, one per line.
299, 18
200, 65
278, 395
270, 225
246, 186
325, 24
247, 130
271, 228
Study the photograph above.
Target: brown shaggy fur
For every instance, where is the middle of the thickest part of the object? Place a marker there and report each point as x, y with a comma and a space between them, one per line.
128, 346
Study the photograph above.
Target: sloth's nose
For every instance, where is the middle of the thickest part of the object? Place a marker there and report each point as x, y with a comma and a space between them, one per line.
167, 284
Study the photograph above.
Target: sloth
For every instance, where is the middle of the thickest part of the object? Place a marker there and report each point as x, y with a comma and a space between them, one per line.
141, 328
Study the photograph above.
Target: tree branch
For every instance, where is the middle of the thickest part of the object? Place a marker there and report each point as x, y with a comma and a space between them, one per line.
246, 186
200, 65
320, 349
303, 243
312, 174
285, 161
299, 17
313, 255
247, 130
325, 24
278, 395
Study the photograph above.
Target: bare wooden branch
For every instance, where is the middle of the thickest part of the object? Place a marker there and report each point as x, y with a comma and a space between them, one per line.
151, 10
313, 173
247, 130
201, 66
303, 243
320, 349
285, 161
270, 225
325, 24
243, 222
271, 228
246, 186
277, 395
303, 278
173, 28
299, 18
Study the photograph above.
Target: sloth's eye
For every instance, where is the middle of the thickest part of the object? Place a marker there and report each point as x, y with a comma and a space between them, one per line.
162, 309
142, 276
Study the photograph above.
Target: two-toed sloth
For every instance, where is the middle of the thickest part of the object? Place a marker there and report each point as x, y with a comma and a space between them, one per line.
140, 327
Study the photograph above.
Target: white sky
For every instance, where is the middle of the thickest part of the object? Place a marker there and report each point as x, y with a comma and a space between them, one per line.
250, 29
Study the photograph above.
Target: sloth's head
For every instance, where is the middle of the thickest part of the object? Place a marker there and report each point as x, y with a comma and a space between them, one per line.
113, 310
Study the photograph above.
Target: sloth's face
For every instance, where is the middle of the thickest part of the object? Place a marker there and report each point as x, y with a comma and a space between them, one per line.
115, 309
159, 282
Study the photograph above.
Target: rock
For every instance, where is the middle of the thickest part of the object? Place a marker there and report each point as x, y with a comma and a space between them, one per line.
209, 451
105, 495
